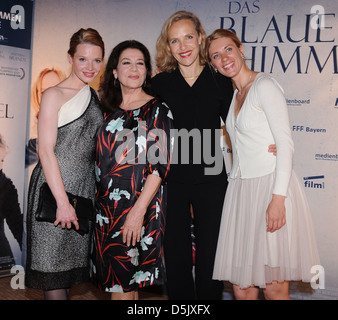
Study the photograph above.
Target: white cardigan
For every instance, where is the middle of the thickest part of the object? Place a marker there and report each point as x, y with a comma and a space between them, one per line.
262, 120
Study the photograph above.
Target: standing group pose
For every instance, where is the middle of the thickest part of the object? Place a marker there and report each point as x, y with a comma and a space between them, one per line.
117, 148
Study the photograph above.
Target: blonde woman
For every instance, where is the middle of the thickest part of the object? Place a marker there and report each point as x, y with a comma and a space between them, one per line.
266, 237
187, 84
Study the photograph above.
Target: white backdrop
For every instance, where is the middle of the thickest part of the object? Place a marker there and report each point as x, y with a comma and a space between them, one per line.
280, 37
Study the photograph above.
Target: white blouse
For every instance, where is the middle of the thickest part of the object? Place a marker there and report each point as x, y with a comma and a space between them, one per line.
262, 120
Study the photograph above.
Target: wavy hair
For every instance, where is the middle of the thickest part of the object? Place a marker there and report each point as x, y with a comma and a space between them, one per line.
110, 89
164, 58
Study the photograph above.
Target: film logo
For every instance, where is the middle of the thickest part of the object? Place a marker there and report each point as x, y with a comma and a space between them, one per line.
314, 182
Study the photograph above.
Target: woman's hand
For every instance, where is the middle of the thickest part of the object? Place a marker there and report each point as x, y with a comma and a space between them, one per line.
133, 225
134, 221
273, 149
65, 214
275, 214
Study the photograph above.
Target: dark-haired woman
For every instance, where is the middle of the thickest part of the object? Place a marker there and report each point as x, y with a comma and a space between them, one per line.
132, 163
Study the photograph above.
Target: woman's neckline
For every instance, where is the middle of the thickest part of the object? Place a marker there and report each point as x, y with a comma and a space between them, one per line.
142, 106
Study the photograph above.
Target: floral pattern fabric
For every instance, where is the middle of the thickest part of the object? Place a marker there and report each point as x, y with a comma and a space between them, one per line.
131, 145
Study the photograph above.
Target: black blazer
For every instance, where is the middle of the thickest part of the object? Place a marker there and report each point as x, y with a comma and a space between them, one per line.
198, 107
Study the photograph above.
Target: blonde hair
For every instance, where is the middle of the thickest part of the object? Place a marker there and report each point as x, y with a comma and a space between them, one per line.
164, 59
221, 33
3, 142
37, 87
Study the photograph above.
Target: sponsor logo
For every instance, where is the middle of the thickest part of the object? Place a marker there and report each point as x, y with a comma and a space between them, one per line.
12, 71
326, 156
314, 182
297, 102
308, 129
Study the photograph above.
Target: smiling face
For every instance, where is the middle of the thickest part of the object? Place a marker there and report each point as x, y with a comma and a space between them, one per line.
131, 69
226, 57
184, 42
86, 62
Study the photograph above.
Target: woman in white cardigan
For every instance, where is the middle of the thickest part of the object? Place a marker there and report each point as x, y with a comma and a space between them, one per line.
266, 237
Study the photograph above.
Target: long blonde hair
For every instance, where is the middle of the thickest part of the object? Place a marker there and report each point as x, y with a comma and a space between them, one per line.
164, 59
37, 87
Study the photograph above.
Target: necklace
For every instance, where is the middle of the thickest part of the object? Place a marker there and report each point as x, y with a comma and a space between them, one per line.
194, 77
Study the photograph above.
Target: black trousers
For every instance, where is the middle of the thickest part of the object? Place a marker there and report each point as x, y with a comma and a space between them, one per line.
207, 203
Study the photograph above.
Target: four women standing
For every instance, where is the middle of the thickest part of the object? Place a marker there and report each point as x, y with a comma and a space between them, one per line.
132, 165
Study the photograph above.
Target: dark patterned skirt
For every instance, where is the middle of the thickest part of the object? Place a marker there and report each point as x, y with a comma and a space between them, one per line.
121, 268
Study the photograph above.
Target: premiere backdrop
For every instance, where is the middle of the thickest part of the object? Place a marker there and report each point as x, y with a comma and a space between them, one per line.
15, 70
293, 40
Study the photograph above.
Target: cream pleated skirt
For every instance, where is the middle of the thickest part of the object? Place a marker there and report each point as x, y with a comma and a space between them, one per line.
248, 255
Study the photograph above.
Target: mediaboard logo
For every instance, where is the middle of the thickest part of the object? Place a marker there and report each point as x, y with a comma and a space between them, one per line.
314, 182
297, 102
326, 156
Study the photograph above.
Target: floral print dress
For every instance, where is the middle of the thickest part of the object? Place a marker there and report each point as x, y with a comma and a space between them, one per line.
131, 145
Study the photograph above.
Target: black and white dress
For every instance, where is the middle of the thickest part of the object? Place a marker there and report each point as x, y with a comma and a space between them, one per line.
58, 258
